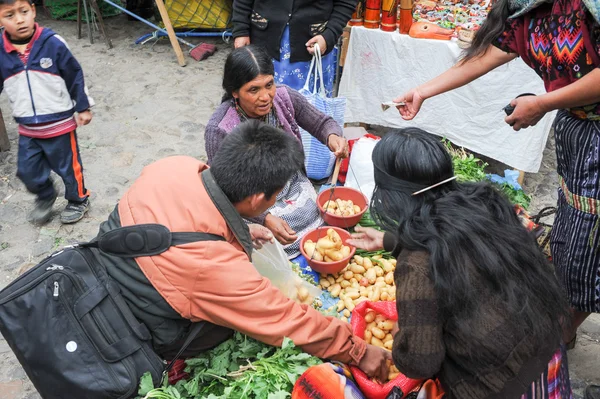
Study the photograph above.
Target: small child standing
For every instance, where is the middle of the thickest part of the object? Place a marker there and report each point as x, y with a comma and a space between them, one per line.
45, 87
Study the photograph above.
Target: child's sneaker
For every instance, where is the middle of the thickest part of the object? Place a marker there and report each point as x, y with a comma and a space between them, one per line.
43, 210
74, 211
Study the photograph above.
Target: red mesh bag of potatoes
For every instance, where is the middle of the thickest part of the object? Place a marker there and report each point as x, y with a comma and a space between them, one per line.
370, 388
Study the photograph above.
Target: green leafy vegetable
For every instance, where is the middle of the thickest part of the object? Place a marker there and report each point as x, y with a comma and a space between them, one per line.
239, 368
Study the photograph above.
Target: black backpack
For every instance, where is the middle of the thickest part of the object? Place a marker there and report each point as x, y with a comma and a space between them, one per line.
70, 328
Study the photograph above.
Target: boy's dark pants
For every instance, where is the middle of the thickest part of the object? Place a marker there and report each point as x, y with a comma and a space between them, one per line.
37, 157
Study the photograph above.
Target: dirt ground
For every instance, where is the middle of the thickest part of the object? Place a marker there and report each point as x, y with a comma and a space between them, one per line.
148, 108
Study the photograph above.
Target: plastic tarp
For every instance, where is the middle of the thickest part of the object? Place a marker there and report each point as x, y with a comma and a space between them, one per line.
381, 66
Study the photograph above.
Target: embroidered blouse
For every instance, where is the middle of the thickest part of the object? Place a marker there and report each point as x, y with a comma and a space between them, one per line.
561, 42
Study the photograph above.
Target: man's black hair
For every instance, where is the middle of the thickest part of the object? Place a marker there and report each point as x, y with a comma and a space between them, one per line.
256, 158
11, 2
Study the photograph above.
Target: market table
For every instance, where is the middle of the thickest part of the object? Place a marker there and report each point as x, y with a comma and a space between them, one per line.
382, 65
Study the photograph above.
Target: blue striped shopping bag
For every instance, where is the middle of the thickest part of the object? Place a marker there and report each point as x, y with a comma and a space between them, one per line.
319, 161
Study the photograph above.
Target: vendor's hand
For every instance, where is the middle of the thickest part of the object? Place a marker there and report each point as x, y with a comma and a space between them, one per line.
83, 118
260, 235
338, 145
412, 104
317, 39
367, 238
528, 112
241, 41
376, 362
280, 229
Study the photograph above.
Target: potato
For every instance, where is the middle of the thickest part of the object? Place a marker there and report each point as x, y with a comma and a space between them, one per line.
349, 304
324, 283
328, 259
335, 290
378, 271
385, 325
357, 269
325, 243
371, 276
345, 251
392, 376
302, 294
378, 333
340, 305
369, 317
367, 264
384, 296
344, 319
348, 275
377, 342
331, 280
340, 279
389, 278
388, 345
345, 284
330, 204
359, 260
346, 313
364, 282
388, 337
368, 336
311, 251
380, 282
371, 325
386, 265
376, 257
334, 237
356, 209
353, 295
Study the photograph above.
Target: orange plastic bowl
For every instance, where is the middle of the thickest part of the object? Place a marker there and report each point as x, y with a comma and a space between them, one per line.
326, 267
344, 193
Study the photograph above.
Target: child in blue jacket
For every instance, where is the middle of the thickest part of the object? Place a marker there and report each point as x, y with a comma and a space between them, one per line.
45, 87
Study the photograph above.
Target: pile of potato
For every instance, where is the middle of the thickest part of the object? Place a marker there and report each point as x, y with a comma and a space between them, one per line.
327, 249
340, 207
379, 333
364, 279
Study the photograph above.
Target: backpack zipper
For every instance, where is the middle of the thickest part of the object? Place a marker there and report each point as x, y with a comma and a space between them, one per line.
56, 288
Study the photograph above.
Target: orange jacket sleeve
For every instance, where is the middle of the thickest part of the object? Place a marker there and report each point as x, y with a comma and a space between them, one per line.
228, 291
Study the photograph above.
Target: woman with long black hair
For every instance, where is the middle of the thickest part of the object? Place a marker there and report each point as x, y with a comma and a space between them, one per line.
560, 40
479, 306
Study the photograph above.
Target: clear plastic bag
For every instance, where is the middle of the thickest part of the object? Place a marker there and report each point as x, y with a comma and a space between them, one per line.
272, 263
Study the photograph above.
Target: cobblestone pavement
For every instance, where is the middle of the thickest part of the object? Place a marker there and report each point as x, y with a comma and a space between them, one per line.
148, 108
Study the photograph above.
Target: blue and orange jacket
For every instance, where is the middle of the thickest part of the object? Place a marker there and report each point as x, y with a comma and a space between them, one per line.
49, 87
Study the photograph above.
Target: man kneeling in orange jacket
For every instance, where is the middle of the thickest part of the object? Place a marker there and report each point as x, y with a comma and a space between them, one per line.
213, 280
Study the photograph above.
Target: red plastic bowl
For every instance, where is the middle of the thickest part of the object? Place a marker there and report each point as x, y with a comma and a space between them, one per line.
344, 193
326, 267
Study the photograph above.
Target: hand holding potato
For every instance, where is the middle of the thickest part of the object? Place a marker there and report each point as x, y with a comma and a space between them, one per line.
376, 363
280, 229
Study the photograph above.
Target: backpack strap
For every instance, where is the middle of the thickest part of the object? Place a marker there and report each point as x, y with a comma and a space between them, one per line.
144, 240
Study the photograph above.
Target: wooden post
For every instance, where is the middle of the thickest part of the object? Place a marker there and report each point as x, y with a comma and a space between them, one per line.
96, 9
4, 143
169, 27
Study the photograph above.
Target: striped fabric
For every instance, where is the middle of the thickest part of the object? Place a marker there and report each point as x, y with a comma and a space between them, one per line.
584, 204
554, 382
48, 130
575, 240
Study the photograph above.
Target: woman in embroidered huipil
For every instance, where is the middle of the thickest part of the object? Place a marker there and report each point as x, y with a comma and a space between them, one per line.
251, 93
560, 40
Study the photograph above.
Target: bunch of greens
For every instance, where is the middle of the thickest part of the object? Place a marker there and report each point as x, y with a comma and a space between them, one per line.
468, 168
240, 367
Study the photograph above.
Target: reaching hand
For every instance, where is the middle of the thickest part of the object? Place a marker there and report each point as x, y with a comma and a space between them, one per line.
241, 41
376, 362
412, 104
528, 112
338, 145
367, 238
317, 39
83, 118
280, 229
260, 235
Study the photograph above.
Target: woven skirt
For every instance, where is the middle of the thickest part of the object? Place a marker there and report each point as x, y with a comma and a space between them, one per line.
575, 239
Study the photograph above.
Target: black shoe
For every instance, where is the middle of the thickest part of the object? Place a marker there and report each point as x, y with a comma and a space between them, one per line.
592, 392
74, 211
43, 210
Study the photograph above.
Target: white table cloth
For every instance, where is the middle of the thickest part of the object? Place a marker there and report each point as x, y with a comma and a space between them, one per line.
381, 66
